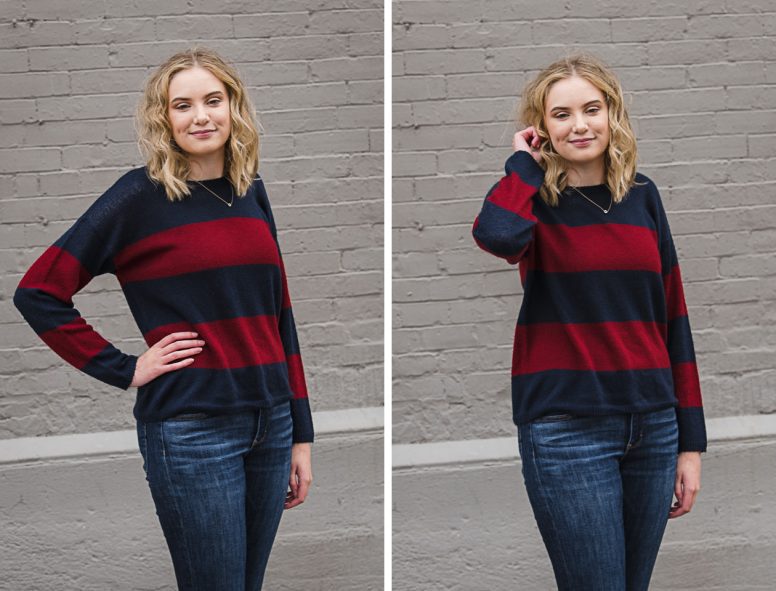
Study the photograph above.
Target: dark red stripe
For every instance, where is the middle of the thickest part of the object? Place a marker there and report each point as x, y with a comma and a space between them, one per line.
615, 247
686, 384
604, 346
514, 195
674, 293
296, 375
196, 247
57, 272
76, 342
236, 342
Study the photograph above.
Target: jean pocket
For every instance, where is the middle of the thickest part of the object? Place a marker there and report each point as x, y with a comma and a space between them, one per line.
554, 418
191, 416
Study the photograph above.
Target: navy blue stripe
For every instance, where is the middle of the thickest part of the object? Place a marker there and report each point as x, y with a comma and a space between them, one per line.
250, 290
680, 345
41, 310
501, 231
80, 240
591, 392
135, 192
668, 256
303, 420
213, 391
593, 296
523, 164
639, 208
288, 332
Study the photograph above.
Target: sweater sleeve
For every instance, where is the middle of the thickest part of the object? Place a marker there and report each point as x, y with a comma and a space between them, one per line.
681, 352
44, 297
505, 224
300, 404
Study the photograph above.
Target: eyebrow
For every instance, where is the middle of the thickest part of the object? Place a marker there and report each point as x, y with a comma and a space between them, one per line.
567, 108
183, 98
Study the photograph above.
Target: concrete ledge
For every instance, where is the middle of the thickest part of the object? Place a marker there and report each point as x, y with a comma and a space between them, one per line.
78, 516
505, 448
463, 525
26, 449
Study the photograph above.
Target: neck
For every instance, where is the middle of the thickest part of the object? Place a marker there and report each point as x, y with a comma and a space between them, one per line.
583, 175
210, 166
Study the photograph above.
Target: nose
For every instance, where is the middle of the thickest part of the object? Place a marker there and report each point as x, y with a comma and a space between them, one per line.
580, 124
200, 115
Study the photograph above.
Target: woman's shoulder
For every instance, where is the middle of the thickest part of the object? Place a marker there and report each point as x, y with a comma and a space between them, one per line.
121, 198
645, 186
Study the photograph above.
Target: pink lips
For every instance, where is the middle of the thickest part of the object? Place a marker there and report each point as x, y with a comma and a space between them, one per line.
203, 132
582, 142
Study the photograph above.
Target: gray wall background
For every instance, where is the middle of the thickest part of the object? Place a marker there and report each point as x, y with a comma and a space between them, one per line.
71, 74
701, 80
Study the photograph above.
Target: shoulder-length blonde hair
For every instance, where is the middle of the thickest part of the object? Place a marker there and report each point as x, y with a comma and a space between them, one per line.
620, 156
165, 161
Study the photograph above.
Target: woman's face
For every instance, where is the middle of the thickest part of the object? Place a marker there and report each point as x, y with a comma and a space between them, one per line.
199, 103
575, 110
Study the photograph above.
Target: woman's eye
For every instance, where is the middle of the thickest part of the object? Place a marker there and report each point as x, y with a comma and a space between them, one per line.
211, 102
594, 110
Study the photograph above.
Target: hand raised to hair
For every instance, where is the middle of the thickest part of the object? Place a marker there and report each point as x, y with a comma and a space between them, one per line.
528, 140
162, 356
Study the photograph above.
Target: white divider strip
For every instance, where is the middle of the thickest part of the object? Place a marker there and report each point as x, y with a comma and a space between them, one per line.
25, 449
505, 448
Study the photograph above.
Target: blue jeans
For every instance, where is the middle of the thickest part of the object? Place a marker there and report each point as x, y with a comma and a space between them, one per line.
219, 484
600, 489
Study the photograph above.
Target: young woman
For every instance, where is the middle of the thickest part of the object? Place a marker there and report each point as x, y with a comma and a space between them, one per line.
605, 389
223, 420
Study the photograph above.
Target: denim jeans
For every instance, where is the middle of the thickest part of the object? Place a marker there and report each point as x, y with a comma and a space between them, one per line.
219, 484
600, 489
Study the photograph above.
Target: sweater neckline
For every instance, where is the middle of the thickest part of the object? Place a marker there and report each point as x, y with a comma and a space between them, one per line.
206, 181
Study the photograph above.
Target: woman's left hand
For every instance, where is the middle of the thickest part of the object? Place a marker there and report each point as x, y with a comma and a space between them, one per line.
687, 484
301, 474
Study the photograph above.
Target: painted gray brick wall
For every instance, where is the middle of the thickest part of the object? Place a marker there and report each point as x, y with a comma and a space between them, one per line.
701, 81
70, 76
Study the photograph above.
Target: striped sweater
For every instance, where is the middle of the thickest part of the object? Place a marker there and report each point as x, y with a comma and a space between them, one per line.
192, 265
603, 326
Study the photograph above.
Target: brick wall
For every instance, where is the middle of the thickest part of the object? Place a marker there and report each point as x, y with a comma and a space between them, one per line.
71, 74
701, 81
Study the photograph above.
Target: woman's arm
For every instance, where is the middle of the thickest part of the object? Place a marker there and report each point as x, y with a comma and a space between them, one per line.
300, 405
679, 342
505, 224
44, 297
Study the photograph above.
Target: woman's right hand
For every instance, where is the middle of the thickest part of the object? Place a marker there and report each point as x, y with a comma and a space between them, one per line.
528, 140
162, 356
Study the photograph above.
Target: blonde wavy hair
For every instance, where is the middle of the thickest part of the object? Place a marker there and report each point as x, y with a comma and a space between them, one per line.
165, 161
620, 155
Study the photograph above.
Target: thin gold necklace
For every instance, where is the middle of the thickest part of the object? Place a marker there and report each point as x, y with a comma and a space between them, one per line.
216, 195
611, 200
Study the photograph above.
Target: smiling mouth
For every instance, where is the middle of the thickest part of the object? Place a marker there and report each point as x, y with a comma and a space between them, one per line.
589, 139
202, 131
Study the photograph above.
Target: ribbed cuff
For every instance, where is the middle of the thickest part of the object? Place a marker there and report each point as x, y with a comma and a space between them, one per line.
692, 429
303, 420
